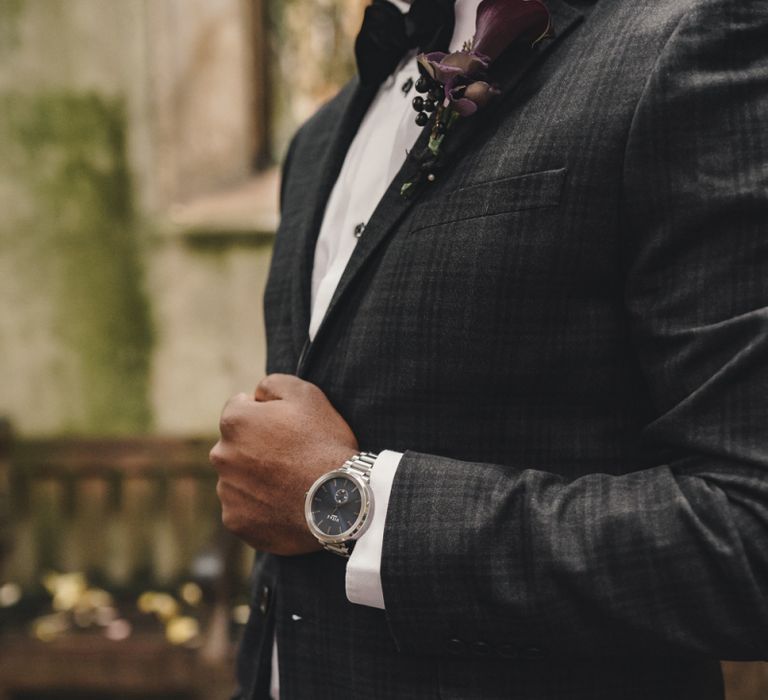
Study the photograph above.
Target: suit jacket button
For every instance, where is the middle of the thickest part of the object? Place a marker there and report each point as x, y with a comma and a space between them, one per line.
264, 595
532, 654
457, 647
507, 651
480, 649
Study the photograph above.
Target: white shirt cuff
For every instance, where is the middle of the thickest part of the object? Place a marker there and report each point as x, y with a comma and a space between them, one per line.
363, 581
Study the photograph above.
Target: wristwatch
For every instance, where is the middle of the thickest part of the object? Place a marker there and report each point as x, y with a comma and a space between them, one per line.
339, 505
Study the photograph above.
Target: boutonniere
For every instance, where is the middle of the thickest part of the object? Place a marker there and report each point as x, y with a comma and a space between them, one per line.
456, 85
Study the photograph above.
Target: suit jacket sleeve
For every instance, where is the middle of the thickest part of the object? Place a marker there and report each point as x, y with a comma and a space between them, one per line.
672, 559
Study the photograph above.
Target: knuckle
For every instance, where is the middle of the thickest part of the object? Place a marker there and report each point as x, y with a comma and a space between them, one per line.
236, 400
266, 381
314, 392
266, 387
228, 520
307, 387
218, 457
230, 419
235, 413
233, 522
226, 424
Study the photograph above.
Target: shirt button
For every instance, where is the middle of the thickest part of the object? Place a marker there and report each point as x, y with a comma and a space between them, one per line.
264, 596
407, 85
359, 230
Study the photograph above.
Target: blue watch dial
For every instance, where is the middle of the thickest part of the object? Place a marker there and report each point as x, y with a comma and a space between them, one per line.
336, 506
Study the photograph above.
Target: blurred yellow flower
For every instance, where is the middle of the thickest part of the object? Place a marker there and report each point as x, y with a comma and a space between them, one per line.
182, 630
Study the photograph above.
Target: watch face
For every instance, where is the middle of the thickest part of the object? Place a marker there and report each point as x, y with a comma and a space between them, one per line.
336, 506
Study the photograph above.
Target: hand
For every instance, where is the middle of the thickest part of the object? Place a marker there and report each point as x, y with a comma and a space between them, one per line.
272, 448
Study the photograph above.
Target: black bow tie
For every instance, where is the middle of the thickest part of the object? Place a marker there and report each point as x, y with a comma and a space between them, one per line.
387, 34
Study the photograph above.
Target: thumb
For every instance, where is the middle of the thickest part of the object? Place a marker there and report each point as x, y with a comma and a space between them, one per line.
280, 386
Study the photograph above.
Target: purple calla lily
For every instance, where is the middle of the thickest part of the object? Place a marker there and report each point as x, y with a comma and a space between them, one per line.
468, 62
456, 84
500, 22
430, 64
445, 68
467, 99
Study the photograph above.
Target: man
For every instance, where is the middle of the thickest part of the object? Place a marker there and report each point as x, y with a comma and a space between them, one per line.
558, 348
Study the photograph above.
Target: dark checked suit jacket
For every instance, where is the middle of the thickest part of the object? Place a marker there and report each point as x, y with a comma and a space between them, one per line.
567, 335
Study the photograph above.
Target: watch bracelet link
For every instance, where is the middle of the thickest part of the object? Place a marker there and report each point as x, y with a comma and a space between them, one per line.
361, 464
343, 549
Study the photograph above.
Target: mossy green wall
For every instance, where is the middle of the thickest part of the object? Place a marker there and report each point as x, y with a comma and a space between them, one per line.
74, 235
10, 14
114, 116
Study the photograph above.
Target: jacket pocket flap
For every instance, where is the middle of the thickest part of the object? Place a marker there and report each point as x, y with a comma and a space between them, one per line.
529, 191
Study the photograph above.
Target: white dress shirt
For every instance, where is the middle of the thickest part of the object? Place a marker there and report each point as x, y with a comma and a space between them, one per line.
375, 156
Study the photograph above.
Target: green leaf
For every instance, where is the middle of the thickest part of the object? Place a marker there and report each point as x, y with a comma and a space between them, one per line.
434, 144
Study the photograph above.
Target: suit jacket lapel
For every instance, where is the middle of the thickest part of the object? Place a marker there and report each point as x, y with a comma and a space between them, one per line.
393, 206
352, 109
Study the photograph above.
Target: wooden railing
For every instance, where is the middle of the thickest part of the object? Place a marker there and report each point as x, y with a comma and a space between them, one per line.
131, 515
134, 514
123, 511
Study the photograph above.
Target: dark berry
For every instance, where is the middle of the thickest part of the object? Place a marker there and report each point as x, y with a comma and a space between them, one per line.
422, 118
422, 85
418, 103
430, 105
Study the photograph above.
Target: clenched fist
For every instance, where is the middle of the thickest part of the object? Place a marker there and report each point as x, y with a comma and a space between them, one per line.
273, 446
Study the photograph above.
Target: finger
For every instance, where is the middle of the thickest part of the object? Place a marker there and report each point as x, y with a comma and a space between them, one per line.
216, 456
236, 403
240, 398
220, 457
280, 386
233, 412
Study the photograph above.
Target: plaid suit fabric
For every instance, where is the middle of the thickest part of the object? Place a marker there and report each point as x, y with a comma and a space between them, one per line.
567, 333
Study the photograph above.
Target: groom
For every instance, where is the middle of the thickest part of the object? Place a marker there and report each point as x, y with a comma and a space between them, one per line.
553, 351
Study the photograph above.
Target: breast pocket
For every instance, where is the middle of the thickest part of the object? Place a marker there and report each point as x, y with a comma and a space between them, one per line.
476, 259
538, 190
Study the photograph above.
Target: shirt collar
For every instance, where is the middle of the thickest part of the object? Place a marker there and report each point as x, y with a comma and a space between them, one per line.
466, 13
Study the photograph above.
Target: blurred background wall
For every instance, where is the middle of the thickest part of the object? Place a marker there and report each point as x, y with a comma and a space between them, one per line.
138, 201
